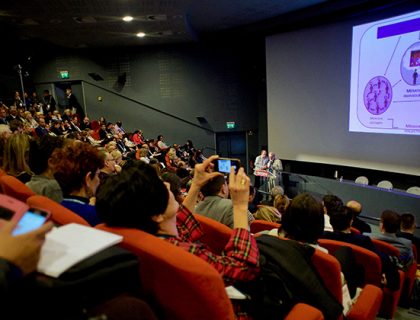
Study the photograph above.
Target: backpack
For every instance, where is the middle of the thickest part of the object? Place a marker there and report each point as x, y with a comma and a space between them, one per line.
287, 277
109, 273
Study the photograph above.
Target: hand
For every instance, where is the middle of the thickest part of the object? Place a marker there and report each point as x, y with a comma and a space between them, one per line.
202, 172
239, 193
239, 187
23, 250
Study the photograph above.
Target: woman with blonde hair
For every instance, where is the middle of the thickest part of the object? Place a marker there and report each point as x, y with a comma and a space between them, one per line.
16, 155
281, 202
267, 213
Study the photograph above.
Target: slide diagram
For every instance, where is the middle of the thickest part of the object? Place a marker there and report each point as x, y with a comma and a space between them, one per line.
385, 83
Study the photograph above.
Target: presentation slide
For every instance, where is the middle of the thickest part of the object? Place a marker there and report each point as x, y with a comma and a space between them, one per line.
385, 83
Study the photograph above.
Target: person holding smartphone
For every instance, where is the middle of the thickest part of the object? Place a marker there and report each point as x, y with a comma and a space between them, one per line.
138, 198
19, 255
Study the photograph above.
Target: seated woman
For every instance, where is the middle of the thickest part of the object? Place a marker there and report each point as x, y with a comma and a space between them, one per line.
138, 198
76, 167
16, 156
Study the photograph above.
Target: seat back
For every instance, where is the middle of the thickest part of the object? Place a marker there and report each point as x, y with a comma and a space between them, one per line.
355, 231
386, 248
15, 188
362, 180
370, 261
181, 285
262, 225
369, 302
329, 269
59, 214
385, 184
216, 234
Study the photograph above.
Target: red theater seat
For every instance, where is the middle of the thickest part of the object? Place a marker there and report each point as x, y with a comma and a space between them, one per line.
15, 188
369, 301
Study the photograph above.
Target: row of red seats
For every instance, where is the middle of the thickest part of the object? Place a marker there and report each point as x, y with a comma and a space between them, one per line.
196, 280
179, 284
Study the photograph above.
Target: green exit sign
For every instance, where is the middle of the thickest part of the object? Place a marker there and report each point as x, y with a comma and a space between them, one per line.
230, 125
64, 74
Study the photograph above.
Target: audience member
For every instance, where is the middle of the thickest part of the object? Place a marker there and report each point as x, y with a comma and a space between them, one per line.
161, 144
389, 226
109, 168
49, 102
331, 203
16, 154
407, 229
303, 220
137, 198
341, 221
216, 204
281, 202
359, 224
76, 167
267, 213
43, 181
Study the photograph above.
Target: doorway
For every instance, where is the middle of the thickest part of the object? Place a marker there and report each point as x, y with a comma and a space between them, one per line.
232, 145
60, 93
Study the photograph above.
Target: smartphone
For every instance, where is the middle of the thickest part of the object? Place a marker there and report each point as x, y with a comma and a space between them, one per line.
223, 164
32, 219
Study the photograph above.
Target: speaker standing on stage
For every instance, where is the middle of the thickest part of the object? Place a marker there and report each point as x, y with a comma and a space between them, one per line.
260, 164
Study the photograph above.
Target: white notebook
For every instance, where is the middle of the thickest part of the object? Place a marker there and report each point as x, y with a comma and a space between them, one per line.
67, 245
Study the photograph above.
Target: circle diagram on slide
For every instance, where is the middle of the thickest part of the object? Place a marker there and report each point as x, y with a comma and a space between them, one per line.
378, 95
385, 82
410, 65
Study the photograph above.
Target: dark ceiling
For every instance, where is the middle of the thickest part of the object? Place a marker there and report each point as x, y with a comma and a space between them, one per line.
98, 23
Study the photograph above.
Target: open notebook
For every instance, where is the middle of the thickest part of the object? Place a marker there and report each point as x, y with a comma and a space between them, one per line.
67, 245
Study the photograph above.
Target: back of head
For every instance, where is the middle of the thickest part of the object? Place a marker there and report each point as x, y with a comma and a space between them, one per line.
16, 154
332, 203
213, 186
355, 206
304, 219
341, 219
390, 221
132, 198
281, 202
267, 213
408, 222
41, 150
277, 190
174, 181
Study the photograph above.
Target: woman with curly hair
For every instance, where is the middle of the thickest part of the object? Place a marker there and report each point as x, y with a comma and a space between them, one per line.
76, 167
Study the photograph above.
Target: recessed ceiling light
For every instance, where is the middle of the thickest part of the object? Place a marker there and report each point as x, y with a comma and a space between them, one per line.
128, 18
141, 34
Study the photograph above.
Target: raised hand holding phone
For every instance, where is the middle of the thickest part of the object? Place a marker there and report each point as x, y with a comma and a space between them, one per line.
239, 193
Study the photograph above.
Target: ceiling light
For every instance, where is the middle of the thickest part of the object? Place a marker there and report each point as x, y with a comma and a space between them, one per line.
141, 34
128, 18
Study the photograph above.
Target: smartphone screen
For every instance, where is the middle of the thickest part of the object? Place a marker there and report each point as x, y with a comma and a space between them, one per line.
31, 219
223, 165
